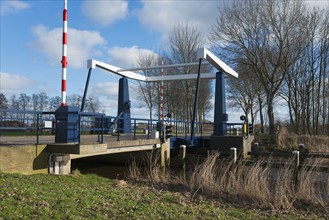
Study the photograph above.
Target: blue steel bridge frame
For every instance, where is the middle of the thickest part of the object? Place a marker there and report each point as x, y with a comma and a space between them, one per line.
220, 115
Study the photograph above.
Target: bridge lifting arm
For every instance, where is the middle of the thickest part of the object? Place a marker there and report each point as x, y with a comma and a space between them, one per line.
202, 54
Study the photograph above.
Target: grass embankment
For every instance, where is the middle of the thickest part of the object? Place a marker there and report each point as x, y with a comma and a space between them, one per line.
93, 197
260, 185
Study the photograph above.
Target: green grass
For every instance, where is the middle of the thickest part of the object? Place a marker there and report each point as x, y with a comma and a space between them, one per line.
93, 197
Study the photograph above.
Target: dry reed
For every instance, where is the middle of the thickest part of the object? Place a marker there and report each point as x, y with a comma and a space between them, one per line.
313, 143
262, 183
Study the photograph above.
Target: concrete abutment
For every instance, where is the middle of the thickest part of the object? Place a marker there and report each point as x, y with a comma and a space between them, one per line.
56, 158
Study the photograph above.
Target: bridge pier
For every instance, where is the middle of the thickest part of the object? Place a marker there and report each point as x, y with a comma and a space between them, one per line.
59, 164
124, 123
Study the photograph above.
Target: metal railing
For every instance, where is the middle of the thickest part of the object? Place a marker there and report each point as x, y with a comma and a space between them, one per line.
95, 125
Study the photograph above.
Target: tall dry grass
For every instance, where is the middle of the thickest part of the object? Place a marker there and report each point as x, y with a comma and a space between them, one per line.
313, 143
262, 183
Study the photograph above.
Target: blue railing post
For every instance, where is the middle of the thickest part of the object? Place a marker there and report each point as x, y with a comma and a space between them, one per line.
134, 129
79, 127
176, 123
185, 129
148, 129
118, 133
37, 129
102, 135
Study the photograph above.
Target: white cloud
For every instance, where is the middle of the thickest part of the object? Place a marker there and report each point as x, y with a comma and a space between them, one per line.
107, 92
82, 45
105, 12
10, 6
125, 57
12, 84
163, 15
109, 89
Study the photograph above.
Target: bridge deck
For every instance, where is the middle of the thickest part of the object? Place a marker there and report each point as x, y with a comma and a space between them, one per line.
109, 147
49, 139
88, 146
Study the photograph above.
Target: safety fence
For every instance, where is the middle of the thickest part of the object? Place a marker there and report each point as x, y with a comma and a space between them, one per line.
40, 127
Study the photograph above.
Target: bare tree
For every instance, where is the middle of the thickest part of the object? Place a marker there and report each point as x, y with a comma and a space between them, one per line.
35, 102
184, 40
3, 101
245, 92
44, 101
74, 100
92, 104
147, 91
305, 88
54, 103
24, 103
269, 37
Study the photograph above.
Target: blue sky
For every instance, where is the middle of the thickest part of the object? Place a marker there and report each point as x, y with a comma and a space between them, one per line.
115, 32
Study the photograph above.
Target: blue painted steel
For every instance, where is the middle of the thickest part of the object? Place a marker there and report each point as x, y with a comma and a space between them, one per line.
195, 103
220, 116
67, 124
86, 90
124, 123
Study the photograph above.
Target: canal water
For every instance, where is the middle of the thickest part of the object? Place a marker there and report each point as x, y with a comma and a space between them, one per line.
113, 166
116, 166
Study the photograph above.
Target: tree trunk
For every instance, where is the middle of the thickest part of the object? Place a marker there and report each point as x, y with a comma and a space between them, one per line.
260, 101
271, 121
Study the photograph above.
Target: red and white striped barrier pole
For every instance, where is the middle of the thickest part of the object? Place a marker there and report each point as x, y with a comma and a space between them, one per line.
161, 94
64, 54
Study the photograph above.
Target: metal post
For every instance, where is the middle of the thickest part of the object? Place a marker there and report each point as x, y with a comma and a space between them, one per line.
148, 128
185, 128
296, 152
195, 104
102, 126
124, 123
98, 129
220, 116
37, 129
296, 171
64, 54
86, 90
134, 129
234, 154
176, 123
182, 155
118, 134
79, 126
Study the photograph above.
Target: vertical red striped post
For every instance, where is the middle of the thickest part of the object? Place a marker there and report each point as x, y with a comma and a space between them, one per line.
161, 94
64, 54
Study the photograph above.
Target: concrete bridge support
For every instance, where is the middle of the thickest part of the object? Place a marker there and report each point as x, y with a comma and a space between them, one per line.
165, 154
59, 164
56, 158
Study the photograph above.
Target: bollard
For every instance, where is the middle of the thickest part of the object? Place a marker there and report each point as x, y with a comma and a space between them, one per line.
182, 155
234, 154
296, 152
